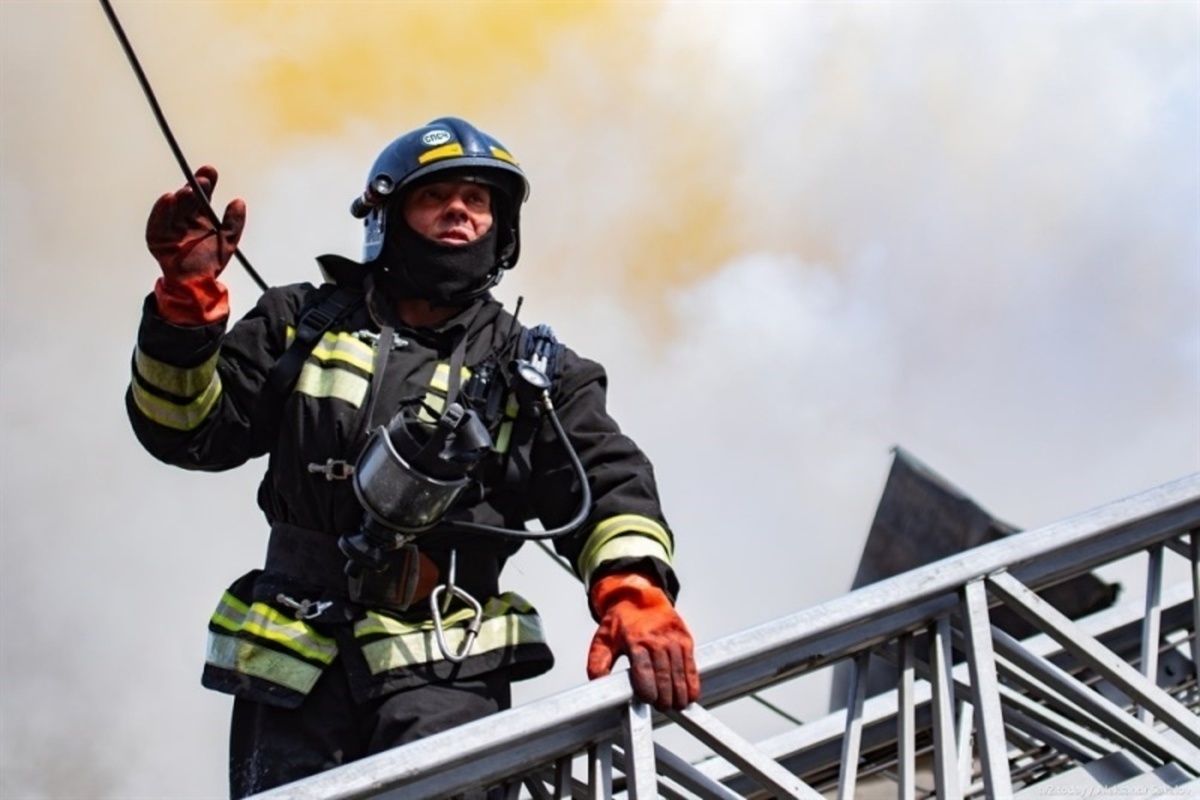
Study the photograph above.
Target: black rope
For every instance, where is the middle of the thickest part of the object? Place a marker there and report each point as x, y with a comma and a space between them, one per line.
555, 557
166, 130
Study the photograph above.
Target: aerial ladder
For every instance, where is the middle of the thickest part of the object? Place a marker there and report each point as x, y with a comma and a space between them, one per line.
986, 684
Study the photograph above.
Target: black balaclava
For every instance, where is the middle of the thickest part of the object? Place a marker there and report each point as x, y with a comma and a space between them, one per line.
411, 266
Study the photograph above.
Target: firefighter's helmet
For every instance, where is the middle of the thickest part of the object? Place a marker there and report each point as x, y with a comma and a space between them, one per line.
447, 147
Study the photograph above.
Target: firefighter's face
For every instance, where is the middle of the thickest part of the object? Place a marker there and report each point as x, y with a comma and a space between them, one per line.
449, 212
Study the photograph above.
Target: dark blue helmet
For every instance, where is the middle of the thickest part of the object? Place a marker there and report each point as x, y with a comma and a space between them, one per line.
449, 148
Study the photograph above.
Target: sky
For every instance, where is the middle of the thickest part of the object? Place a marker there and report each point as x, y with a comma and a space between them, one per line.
796, 234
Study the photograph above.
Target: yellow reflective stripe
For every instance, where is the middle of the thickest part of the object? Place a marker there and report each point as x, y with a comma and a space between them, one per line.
179, 381
644, 536
346, 348
503, 155
625, 546
431, 409
317, 381
439, 385
445, 151
505, 624
247, 658
441, 377
422, 648
503, 436
377, 623
341, 346
230, 613
186, 417
267, 623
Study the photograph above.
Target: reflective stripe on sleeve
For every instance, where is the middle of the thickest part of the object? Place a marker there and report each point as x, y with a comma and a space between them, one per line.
197, 390
178, 416
184, 382
623, 536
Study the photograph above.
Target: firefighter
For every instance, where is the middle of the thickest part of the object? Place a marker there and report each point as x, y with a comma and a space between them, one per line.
377, 617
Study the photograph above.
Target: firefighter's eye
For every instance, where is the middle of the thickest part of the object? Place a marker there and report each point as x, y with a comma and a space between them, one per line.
478, 199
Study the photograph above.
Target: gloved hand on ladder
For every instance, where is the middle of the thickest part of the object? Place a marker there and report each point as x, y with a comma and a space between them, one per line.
638, 620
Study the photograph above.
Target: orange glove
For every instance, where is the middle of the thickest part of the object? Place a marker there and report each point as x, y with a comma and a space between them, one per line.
637, 620
192, 253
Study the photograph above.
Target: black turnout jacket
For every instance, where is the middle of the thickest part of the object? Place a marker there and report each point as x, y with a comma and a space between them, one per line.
199, 399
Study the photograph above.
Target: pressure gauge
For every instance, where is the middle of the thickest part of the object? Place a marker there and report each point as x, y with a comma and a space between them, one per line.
532, 376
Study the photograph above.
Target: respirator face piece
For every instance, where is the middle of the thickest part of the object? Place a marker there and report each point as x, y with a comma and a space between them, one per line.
410, 473
397, 495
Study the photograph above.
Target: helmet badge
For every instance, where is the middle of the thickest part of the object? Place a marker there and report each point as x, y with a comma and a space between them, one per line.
434, 138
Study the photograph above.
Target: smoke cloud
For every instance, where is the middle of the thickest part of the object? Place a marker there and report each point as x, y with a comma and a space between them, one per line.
796, 234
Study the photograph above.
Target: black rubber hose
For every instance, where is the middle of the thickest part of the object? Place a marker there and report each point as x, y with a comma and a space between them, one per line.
585, 500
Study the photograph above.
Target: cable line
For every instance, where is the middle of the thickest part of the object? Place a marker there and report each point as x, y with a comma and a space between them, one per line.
170, 137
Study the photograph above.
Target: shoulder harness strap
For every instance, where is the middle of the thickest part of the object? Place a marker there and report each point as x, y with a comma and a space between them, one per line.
311, 325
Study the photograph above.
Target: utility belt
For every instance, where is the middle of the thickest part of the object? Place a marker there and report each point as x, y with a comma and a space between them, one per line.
408, 576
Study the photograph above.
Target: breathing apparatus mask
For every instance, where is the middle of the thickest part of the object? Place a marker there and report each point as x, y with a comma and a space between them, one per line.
408, 477
410, 474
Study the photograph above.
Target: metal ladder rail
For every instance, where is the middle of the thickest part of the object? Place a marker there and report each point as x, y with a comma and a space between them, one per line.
1116, 623
591, 718
809, 749
815, 748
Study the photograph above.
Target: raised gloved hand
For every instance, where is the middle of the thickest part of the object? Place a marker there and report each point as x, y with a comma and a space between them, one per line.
192, 253
637, 620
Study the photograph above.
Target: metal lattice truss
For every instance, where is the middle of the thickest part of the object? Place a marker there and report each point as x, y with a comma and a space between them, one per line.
974, 711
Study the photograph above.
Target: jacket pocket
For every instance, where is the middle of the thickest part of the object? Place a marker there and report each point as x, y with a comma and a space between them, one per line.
259, 652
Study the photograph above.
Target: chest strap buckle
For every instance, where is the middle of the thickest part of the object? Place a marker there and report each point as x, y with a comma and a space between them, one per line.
334, 469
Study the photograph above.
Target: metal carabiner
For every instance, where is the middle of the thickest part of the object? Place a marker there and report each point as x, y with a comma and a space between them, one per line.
303, 609
439, 630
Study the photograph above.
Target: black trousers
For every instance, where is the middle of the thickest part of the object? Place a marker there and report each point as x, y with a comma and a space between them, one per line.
271, 746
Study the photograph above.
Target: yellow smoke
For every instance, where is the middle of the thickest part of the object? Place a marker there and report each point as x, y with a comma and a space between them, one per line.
245, 82
333, 62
